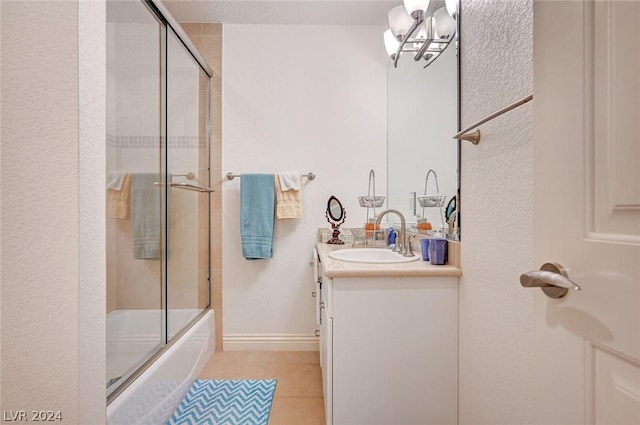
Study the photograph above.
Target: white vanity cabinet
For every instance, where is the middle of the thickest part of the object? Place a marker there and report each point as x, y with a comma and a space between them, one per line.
389, 350
326, 352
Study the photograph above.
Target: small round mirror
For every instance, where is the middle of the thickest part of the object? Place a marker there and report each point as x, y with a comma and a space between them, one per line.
335, 209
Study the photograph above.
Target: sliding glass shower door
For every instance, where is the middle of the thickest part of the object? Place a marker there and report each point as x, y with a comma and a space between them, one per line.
135, 129
187, 167
157, 172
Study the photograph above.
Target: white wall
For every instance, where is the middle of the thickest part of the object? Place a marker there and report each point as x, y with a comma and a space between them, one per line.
306, 98
52, 187
496, 317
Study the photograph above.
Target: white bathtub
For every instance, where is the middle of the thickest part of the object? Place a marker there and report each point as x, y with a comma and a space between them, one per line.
155, 394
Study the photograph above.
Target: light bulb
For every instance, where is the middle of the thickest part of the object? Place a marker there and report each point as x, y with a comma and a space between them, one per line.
400, 22
445, 25
452, 8
416, 8
391, 44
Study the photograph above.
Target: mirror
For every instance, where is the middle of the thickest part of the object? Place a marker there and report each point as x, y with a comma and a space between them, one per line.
450, 210
336, 214
335, 209
422, 117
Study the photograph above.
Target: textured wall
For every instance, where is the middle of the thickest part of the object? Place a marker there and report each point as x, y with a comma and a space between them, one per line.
52, 199
91, 186
496, 317
310, 98
40, 207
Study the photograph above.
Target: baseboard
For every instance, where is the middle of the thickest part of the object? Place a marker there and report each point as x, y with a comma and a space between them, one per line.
270, 342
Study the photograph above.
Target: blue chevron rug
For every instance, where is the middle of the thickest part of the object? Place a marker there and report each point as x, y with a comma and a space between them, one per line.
226, 402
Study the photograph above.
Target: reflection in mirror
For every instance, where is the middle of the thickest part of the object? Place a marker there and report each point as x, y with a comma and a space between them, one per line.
336, 214
422, 117
451, 208
335, 209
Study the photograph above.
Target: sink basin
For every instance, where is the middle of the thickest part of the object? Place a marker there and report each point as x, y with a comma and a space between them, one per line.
370, 255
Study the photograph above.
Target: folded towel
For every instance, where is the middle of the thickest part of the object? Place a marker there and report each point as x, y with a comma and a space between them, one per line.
145, 215
118, 199
115, 179
289, 180
289, 203
257, 204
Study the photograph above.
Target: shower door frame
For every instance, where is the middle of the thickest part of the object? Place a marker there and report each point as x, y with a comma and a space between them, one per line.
168, 23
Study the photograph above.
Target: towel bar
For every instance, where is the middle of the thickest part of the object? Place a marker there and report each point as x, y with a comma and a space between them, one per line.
475, 136
231, 176
187, 186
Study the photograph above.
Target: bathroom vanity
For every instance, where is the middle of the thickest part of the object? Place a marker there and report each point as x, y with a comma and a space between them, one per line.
388, 343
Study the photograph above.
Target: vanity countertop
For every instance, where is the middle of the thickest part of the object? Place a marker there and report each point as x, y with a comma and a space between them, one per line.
336, 268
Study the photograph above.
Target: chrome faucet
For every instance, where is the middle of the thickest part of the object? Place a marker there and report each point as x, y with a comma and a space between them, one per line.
403, 245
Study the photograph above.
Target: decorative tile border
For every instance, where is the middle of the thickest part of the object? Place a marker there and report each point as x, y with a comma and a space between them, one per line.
155, 142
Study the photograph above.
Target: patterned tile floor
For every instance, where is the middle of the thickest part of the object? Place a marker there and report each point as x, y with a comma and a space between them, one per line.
298, 399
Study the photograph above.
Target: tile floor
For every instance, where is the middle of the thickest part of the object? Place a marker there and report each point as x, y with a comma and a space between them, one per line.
298, 399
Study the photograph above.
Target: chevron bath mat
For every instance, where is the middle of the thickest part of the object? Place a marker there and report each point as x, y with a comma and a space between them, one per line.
226, 402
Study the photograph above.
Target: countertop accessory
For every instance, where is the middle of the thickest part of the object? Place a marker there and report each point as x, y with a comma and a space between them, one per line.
336, 214
371, 232
438, 251
371, 200
424, 245
432, 200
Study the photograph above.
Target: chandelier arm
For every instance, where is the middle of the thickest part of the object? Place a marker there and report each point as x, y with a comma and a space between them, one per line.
423, 49
413, 29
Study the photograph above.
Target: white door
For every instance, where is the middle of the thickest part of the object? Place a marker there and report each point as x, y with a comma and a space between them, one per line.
587, 210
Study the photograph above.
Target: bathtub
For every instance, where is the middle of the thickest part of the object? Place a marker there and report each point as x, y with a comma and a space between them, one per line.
155, 394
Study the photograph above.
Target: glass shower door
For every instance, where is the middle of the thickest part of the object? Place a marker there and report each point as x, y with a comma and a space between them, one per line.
187, 166
135, 212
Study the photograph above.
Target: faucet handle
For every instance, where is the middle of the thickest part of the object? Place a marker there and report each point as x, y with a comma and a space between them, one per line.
408, 245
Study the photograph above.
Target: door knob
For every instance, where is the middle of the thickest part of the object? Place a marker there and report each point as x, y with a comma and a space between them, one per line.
552, 278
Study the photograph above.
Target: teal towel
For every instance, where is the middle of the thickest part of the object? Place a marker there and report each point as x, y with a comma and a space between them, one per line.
257, 212
145, 216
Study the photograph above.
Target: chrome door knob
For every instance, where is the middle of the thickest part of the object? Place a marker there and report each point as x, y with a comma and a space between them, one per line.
552, 278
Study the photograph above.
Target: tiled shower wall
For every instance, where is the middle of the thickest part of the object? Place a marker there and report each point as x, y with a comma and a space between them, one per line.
207, 37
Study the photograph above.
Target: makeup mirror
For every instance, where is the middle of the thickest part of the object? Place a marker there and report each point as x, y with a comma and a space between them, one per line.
336, 214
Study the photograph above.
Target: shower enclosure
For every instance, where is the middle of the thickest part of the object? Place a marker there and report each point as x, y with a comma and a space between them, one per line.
157, 187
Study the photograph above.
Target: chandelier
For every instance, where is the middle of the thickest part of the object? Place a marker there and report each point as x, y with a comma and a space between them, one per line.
413, 29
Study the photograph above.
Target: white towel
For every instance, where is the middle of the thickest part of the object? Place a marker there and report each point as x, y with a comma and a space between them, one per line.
118, 200
115, 179
289, 180
288, 203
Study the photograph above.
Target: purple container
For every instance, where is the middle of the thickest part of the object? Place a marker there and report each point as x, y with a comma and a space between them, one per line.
438, 251
424, 243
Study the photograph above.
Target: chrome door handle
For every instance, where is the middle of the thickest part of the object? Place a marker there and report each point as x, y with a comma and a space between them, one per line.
552, 278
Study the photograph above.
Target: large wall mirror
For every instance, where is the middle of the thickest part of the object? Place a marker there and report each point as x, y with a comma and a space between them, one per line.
422, 118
